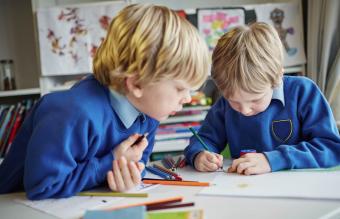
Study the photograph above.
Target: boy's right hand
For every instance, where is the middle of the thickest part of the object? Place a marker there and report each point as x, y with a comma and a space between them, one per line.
131, 151
124, 175
208, 161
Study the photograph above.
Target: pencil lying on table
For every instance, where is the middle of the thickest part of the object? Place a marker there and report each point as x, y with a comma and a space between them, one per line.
113, 194
166, 206
175, 182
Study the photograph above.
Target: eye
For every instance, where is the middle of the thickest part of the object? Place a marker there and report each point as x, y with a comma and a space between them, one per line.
180, 89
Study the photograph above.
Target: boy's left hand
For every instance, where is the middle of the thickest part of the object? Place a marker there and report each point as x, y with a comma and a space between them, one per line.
250, 164
124, 175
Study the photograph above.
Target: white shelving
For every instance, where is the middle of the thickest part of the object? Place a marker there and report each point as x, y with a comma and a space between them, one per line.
21, 92
179, 139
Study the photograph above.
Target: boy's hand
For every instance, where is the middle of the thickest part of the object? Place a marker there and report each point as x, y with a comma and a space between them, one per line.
208, 161
124, 175
249, 164
130, 150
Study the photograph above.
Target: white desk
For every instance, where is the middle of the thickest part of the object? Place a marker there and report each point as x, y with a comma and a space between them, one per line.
214, 207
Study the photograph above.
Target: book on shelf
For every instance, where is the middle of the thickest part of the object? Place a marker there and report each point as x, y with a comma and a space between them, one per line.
185, 118
171, 145
11, 118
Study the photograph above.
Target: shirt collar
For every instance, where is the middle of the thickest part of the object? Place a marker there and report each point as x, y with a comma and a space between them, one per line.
279, 94
126, 112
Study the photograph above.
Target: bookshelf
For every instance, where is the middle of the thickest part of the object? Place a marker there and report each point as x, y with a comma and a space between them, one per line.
173, 134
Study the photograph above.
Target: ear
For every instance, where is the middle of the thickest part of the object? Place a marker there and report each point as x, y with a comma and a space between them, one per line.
132, 86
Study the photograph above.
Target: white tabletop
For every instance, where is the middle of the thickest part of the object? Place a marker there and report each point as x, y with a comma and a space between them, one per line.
214, 206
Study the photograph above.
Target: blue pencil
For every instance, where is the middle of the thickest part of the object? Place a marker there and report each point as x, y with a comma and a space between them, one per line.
158, 172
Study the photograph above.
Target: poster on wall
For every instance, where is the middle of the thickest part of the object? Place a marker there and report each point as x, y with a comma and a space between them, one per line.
213, 23
286, 18
70, 35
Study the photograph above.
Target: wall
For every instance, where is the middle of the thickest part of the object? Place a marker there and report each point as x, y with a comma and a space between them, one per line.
17, 41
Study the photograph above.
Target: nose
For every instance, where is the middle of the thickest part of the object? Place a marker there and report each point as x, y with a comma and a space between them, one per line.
186, 98
245, 110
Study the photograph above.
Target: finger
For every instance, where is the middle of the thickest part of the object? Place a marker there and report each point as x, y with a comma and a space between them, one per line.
135, 173
229, 170
118, 176
123, 164
242, 166
208, 165
236, 162
143, 144
140, 166
211, 157
130, 140
250, 171
220, 159
212, 161
111, 181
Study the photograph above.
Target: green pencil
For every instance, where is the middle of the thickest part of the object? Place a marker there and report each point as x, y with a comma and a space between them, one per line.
114, 194
199, 139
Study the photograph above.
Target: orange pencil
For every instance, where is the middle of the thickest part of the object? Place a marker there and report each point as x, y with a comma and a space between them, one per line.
175, 183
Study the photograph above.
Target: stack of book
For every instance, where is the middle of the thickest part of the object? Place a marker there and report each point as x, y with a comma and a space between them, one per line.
11, 118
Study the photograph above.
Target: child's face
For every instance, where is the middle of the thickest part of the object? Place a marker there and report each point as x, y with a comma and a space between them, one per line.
250, 104
161, 99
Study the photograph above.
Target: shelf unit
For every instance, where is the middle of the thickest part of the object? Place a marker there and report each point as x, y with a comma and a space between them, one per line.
20, 92
177, 138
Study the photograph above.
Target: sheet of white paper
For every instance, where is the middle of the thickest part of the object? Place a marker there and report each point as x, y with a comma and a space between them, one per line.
284, 184
75, 207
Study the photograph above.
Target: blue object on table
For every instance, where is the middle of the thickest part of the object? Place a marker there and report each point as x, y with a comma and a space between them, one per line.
137, 212
158, 172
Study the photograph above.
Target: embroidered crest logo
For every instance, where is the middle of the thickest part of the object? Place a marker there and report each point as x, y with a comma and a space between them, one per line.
282, 129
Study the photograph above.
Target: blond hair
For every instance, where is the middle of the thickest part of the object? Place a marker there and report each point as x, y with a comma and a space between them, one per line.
154, 43
248, 58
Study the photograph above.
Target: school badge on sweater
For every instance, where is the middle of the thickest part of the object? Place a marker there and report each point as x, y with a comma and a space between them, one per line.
282, 129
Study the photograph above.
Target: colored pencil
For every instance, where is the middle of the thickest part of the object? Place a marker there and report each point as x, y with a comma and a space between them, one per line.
166, 206
167, 180
206, 147
158, 172
140, 138
114, 194
177, 177
175, 182
151, 203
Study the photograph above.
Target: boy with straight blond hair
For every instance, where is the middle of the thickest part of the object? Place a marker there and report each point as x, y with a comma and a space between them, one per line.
78, 139
285, 119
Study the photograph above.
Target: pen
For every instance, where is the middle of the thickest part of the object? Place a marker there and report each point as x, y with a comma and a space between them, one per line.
114, 194
175, 182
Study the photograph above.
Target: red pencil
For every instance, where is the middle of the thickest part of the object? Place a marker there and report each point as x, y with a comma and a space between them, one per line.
159, 207
177, 177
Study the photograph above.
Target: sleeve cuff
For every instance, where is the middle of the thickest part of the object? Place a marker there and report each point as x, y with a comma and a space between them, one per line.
276, 160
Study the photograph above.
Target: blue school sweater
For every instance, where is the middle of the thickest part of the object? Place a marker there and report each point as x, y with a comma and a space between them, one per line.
299, 133
65, 145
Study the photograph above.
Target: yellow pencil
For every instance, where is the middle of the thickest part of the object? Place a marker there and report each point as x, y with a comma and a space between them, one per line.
114, 194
